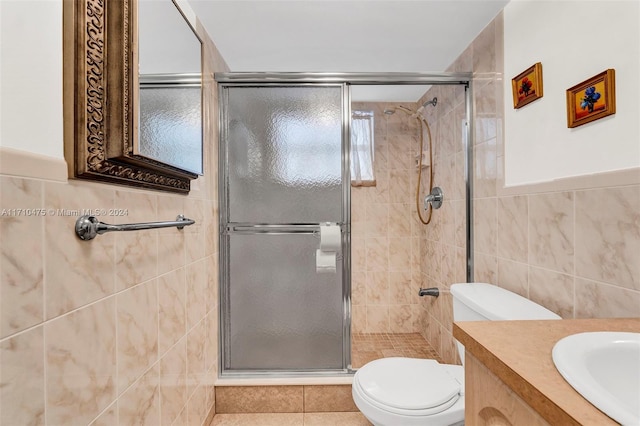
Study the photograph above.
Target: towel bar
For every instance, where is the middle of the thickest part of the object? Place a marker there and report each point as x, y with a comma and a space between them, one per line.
88, 227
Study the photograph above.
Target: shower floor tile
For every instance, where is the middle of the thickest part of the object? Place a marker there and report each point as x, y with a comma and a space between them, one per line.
366, 347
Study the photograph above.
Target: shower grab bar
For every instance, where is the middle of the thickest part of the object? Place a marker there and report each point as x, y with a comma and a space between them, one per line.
88, 227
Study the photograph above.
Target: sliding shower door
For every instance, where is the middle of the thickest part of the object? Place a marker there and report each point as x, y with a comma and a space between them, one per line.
283, 165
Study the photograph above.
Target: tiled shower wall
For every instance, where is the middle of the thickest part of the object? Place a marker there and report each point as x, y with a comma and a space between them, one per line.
385, 234
572, 251
121, 329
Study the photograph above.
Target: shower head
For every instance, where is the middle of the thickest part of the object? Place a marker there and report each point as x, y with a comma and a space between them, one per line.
391, 111
433, 102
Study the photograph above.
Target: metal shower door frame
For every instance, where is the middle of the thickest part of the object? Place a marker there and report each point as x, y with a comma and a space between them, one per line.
223, 188
345, 80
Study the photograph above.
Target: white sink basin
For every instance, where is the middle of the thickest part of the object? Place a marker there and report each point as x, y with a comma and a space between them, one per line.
604, 367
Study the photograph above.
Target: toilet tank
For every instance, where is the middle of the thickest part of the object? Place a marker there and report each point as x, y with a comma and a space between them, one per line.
487, 302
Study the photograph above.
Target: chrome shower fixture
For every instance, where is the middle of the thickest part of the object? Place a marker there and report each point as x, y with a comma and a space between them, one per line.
433, 102
391, 111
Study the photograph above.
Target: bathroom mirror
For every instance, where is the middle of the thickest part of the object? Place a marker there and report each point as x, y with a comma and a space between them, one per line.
170, 86
106, 109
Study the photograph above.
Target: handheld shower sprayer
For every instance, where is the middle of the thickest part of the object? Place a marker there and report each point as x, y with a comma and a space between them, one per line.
434, 199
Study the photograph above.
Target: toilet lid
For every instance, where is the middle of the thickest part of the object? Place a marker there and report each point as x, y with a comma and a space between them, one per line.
408, 383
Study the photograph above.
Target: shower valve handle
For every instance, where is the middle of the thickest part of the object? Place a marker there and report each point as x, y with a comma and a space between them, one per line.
435, 198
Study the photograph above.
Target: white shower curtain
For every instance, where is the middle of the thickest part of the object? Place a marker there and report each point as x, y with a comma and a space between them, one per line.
362, 149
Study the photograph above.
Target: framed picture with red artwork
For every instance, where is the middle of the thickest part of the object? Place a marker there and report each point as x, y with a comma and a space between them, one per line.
527, 86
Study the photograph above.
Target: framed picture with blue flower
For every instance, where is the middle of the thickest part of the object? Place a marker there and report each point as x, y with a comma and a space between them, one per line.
527, 86
592, 99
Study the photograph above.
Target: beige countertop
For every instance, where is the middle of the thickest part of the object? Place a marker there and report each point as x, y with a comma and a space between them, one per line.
519, 353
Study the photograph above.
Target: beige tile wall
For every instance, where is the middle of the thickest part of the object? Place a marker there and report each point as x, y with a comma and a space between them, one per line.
385, 234
121, 329
573, 251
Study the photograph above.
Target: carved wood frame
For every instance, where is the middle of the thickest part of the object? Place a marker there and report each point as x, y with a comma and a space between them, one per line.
100, 93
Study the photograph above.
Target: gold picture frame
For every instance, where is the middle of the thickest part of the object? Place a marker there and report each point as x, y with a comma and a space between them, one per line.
527, 86
592, 99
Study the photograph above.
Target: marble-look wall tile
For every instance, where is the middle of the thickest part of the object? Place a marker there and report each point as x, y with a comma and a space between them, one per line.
137, 332
196, 292
513, 276
21, 264
172, 296
22, 379
400, 288
399, 182
81, 364
171, 251
460, 221
377, 220
195, 234
211, 341
485, 112
485, 169
133, 265
400, 220
108, 417
599, 300
197, 406
377, 319
377, 285
77, 272
401, 319
447, 212
358, 288
608, 235
399, 254
196, 356
485, 268
485, 221
448, 265
551, 231
552, 290
434, 260
377, 254
359, 319
173, 382
358, 255
140, 404
484, 52
512, 228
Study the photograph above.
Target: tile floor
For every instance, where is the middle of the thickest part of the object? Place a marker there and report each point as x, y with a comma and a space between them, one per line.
366, 347
291, 419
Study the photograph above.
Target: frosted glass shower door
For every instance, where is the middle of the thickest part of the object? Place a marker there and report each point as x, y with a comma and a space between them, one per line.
282, 155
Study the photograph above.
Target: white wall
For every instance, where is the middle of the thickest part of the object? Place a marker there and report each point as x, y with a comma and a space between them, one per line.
574, 40
31, 76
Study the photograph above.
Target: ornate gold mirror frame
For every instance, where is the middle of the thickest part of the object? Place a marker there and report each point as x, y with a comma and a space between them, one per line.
100, 92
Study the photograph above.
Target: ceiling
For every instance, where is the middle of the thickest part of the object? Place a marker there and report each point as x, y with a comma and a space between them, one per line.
346, 36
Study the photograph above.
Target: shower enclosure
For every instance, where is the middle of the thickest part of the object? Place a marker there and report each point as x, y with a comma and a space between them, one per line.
284, 172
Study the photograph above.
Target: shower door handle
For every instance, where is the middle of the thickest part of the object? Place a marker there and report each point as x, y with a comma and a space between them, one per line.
286, 229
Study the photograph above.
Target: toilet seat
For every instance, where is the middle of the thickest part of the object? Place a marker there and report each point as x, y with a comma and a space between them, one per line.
408, 386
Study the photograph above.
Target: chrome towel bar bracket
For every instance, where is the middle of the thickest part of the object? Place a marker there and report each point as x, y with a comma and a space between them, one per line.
88, 227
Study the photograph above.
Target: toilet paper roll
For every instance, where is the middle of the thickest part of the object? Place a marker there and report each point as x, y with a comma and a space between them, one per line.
330, 238
325, 261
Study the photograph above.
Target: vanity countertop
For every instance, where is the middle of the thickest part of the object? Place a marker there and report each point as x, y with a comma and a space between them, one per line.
519, 353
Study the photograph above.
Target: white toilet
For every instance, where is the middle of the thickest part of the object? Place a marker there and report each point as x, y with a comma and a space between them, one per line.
410, 391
